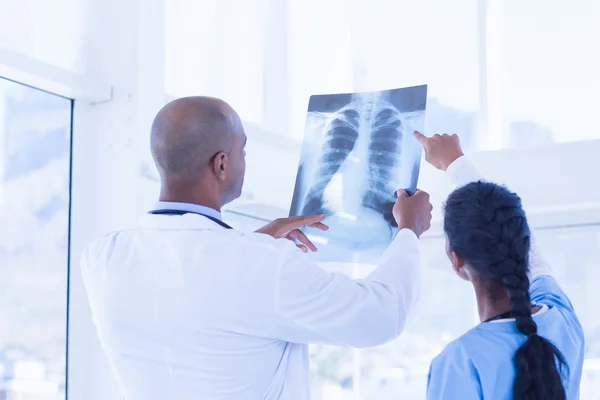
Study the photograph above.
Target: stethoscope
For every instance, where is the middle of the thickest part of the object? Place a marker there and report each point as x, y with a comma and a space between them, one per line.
180, 212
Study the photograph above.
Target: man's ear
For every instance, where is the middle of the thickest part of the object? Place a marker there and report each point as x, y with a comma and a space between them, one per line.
219, 165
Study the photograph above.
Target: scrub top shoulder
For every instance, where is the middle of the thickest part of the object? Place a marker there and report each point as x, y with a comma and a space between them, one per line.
479, 364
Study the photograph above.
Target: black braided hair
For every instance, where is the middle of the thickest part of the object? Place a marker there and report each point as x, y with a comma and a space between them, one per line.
487, 227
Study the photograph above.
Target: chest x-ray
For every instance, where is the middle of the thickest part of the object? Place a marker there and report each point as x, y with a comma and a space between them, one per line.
358, 150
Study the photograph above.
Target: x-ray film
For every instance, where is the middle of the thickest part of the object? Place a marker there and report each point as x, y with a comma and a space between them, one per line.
358, 150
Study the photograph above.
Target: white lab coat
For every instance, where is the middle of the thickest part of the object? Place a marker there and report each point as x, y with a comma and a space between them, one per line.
186, 309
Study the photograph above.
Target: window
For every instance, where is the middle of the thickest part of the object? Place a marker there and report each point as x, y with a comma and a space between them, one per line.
49, 31
320, 54
323, 46
267, 58
574, 254
543, 79
407, 42
217, 48
400, 368
35, 150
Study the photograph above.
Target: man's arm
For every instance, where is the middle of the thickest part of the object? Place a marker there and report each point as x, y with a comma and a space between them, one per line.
461, 171
314, 306
310, 305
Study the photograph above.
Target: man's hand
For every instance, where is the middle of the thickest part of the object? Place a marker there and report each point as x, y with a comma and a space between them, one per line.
440, 150
413, 212
289, 228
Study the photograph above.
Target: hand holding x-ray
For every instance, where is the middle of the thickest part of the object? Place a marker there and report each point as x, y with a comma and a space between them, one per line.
413, 212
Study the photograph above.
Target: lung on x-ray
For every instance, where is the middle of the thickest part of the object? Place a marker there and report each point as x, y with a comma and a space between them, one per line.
358, 149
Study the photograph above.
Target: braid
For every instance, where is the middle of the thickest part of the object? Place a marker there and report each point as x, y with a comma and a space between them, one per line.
486, 226
514, 277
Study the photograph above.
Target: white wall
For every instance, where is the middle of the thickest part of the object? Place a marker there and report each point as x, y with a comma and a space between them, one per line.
125, 47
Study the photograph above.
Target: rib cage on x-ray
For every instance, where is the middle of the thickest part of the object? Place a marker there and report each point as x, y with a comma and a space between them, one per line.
366, 133
358, 149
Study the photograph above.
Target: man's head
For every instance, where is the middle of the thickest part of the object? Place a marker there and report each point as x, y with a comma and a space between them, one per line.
198, 146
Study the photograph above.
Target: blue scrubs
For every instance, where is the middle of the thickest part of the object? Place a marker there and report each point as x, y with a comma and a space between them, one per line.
479, 364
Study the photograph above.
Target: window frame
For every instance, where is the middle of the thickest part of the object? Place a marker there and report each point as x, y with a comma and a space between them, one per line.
29, 84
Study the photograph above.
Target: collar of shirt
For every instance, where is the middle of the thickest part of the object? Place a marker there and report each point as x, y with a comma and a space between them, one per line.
188, 207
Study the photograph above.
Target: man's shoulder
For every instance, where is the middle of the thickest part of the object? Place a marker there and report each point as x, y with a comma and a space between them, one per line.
253, 247
103, 243
224, 241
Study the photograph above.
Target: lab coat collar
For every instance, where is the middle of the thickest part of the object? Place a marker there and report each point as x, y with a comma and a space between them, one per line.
192, 220
188, 207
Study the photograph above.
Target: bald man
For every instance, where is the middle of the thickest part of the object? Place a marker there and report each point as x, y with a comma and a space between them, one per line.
198, 146
188, 308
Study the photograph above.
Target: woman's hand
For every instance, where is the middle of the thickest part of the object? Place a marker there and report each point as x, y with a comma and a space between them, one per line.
440, 150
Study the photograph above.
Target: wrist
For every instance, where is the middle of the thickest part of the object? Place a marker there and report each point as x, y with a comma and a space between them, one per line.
410, 227
451, 160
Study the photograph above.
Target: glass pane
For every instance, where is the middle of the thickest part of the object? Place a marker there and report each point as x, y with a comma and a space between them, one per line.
332, 372
217, 48
575, 256
51, 31
320, 54
399, 369
35, 136
407, 42
335, 370
547, 82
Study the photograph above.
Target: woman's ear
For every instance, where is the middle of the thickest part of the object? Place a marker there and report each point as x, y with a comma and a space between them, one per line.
459, 266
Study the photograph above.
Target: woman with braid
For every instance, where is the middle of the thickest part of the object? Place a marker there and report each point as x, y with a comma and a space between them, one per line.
529, 345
